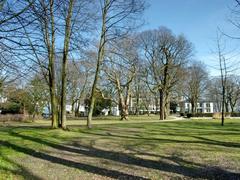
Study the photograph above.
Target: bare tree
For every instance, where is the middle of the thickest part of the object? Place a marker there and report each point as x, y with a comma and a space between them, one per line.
78, 77
11, 37
116, 21
223, 73
68, 24
166, 54
232, 91
195, 83
214, 93
120, 69
10, 11
52, 22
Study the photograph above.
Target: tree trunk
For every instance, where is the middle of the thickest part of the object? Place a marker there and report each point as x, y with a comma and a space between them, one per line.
137, 105
99, 62
167, 105
77, 108
223, 105
124, 112
64, 64
137, 90
53, 104
73, 106
162, 104
232, 109
51, 65
122, 106
193, 107
226, 107
156, 104
59, 114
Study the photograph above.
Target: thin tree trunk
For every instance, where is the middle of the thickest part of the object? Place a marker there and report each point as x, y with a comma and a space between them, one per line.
64, 64
77, 108
52, 88
223, 105
156, 104
73, 105
99, 62
162, 104
167, 105
51, 52
53, 104
137, 105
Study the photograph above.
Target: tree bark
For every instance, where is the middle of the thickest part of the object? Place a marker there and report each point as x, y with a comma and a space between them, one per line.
51, 51
162, 104
123, 109
64, 64
193, 106
100, 58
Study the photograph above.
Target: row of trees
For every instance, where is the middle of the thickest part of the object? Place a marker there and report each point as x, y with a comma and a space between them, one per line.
44, 35
72, 50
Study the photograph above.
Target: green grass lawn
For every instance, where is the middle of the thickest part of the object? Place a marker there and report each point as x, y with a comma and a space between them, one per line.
137, 149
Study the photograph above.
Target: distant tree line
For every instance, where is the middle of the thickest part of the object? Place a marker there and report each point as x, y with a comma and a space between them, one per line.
54, 52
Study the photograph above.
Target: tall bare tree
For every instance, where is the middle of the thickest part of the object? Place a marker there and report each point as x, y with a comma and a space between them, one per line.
78, 83
117, 17
223, 72
120, 68
166, 55
232, 91
195, 83
68, 29
54, 22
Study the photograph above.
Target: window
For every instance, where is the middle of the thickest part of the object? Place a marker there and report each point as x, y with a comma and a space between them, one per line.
208, 110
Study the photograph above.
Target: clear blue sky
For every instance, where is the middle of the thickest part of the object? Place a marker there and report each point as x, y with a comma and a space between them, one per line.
196, 19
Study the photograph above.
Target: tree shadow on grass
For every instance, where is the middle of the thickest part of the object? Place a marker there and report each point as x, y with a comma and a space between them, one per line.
163, 140
22, 171
81, 166
179, 166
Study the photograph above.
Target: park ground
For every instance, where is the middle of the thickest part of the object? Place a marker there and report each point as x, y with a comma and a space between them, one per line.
141, 148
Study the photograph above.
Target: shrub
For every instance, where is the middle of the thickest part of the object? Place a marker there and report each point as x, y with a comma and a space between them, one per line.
182, 114
12, 117
189, 115
235, 114
218, 115
10, 108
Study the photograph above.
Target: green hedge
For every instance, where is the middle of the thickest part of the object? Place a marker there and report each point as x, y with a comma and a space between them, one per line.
10, 108
235, 114
189, 115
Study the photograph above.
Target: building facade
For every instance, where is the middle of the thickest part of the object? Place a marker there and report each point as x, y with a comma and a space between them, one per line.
202, 107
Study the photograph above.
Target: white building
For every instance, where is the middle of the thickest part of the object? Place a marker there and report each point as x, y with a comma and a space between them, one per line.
202, 107
82, 109
115, 111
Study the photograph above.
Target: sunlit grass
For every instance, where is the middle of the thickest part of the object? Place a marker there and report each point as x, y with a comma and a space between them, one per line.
184, 145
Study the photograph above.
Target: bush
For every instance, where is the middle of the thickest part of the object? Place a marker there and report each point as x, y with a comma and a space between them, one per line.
235, 114
189, 115
182, 114
218, 115
12, 117
11, 108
